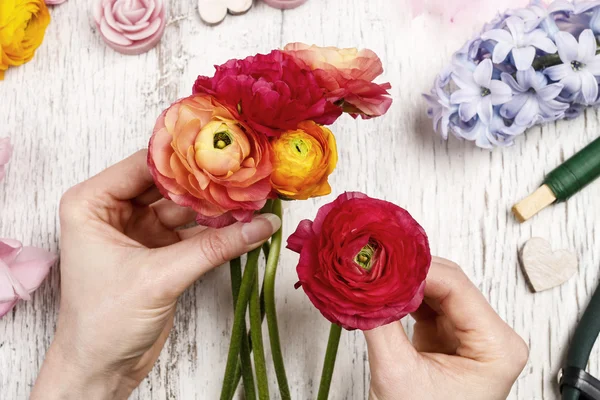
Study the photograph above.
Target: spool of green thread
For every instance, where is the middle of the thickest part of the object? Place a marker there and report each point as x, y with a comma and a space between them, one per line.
576, 173
563, 182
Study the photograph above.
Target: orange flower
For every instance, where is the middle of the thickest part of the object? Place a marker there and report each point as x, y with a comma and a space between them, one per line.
303, 160
22, 27
202, 157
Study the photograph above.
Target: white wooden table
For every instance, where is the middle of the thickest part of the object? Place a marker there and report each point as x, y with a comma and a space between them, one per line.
79, 107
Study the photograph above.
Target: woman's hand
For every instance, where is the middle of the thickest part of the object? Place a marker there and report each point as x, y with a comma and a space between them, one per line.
461, 348
123, 266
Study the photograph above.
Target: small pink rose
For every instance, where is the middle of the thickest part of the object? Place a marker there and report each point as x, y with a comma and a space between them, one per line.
130, 26
22, 271
5, 154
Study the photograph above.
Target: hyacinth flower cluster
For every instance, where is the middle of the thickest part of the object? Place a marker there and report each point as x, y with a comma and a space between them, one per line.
248, 137
527, 67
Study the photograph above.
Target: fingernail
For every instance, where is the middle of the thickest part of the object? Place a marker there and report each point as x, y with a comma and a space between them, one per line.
261, 228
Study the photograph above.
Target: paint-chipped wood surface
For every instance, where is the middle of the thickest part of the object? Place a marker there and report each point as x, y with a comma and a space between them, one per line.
79, 107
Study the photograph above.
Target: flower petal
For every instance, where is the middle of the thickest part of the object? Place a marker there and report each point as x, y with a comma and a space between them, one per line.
485, 110
586, 51
467, 111
558, 72
550, 92
523, 57
501, 51
499, 35
512, 83
483, 73
501, 92
589, 87
527, 114
512, 108
567, 46
540, 39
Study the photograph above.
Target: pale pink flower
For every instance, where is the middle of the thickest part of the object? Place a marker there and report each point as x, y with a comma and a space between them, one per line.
464, 10
5, 153
130, 26
22, 271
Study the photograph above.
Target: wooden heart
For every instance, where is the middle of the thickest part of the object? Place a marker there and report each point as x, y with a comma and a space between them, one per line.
214, 11
544, 268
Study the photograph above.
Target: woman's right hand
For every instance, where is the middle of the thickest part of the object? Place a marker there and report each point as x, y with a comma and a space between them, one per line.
461, 348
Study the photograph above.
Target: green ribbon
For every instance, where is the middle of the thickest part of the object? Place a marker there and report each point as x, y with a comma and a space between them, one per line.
576, 173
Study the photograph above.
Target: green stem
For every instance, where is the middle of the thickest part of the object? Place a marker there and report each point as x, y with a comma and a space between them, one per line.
328, 365
238, 332
269, 290
262, 381
244, 365
238, 369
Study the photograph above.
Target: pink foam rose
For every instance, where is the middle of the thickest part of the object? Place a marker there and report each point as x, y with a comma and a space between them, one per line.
130, 26
22, 271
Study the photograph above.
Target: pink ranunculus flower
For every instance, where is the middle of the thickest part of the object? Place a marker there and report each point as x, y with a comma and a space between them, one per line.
347, 76
464, 10
22, 271
202, 156
130, 26
5, 154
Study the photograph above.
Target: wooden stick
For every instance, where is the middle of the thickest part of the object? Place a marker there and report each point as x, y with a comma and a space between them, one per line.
533, 204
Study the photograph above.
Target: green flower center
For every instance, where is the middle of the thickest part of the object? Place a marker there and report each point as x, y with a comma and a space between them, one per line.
300, 146
485, 92
222, 138
364, 258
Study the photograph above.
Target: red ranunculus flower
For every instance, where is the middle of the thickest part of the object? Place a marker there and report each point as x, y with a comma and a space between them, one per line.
271, 92
363, 261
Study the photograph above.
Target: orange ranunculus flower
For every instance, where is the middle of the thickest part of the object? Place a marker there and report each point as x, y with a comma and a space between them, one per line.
347, 76
22, 27
303, 160
201, 156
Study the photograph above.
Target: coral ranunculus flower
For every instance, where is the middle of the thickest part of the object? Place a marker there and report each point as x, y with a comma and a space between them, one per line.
22, 27
303, 159
347, 75
202, 157
271, 92
363, 261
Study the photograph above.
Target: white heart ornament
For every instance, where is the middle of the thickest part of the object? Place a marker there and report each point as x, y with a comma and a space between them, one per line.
214, 11
545, 268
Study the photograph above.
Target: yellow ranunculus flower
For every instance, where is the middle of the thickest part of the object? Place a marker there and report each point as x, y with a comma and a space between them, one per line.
303, 160
22, 27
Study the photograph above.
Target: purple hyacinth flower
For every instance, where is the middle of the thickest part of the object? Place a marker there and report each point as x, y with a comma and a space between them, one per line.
478, 92
541, 14
440, 108
520, 43
498, 133
582, 6
533, 101
581, 66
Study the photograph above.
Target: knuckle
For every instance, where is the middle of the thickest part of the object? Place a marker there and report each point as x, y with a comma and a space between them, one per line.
515, 357
69, 203
215, 248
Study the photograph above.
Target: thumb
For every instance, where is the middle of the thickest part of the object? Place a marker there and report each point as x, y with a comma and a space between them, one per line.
204, 249
390, 351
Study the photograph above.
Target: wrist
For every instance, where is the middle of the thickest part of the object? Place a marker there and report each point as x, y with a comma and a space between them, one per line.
64, 377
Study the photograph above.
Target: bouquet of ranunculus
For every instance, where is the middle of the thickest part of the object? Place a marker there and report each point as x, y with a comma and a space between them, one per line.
250, 136
528, 66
